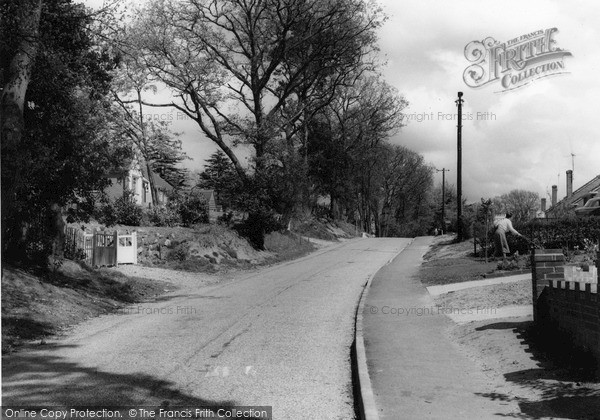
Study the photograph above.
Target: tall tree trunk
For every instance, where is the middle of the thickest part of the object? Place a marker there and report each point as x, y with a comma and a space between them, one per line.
19, 74
12, 103
58, 228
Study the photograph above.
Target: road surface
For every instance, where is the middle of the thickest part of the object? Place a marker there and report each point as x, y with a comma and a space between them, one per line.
276, 337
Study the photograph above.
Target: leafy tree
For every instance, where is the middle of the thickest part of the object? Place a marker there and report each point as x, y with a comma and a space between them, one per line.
330, 165
449, 195
164, 151
407, 190
347, 149
483, 225
219, 175
61, 139
19, 43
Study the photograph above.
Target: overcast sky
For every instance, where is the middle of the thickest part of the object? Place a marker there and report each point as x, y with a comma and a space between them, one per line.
521, 138
526, 139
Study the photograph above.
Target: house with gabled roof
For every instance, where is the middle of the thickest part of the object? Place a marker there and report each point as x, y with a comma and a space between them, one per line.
573, 199
214, 210
133, 177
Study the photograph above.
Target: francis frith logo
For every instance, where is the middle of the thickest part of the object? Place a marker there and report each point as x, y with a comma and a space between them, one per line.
516, 62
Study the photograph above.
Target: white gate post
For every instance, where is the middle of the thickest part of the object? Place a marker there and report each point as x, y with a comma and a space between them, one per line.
116, 242
134, 243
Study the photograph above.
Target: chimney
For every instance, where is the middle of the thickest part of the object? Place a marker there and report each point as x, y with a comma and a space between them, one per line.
569, 183
554, 195
543, 204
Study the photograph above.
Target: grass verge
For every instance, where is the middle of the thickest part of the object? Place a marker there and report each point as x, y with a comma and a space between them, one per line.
38, 305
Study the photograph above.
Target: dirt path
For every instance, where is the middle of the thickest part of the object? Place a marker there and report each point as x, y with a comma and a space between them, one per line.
178, 279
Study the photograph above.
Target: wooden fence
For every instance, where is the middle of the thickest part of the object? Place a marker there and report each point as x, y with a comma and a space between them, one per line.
103, 248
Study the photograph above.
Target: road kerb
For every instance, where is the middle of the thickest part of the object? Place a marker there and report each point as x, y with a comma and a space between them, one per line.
365, 401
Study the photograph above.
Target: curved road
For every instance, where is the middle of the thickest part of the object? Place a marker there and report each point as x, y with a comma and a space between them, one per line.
277, 337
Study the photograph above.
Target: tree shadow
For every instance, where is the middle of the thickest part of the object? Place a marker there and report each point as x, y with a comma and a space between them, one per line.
505, 326
26, 329
37, 379
583, 406
565, 381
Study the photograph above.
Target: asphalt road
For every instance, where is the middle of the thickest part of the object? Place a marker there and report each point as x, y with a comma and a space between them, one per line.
277, 337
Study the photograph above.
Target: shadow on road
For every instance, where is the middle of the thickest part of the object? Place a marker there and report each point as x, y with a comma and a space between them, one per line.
36, 379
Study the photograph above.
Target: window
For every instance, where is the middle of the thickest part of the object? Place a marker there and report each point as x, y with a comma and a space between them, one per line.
144, 192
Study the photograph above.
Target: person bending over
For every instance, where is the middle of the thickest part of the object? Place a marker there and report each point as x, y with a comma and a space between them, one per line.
502, 227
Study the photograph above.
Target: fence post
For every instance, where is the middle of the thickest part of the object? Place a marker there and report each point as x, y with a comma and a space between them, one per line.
94, 245
134, 243
116, 252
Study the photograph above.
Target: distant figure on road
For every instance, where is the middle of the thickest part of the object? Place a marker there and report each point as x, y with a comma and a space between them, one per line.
502, 226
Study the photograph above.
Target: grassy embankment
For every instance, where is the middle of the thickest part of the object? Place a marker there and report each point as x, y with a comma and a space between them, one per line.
36, 305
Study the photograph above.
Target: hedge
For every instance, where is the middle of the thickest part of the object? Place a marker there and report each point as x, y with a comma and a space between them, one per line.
565, 233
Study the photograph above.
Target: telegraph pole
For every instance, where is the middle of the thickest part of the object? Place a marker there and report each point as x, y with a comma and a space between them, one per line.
443, 171
459, 232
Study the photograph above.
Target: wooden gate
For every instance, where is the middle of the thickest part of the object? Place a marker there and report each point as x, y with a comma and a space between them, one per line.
127, 248
104, 248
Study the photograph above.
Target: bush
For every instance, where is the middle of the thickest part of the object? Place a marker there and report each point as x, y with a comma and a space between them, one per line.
257, 225
192, 210
163, 216
517, 243
568, 233
73, 252
128, 213
124, 211
226, 218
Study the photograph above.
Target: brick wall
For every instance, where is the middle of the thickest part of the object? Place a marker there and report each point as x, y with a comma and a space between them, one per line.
572, 308
546, 265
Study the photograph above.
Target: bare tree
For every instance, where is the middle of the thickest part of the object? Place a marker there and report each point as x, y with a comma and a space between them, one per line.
247, 72
521, 203
152, 141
